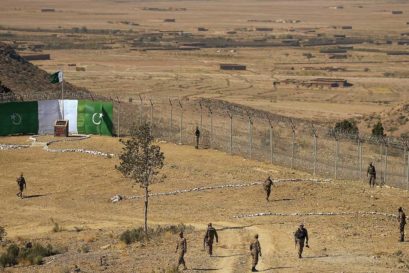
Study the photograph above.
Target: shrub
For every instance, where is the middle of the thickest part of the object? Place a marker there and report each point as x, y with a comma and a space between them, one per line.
346, 127
378, 130
56, 226
34, 255
138, 235
3, 233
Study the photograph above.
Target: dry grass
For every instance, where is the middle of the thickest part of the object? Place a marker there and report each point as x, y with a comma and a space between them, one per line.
76, 188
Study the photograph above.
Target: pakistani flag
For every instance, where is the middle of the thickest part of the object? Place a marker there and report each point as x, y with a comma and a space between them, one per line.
19, 118
57, 77
85, 117
94, 117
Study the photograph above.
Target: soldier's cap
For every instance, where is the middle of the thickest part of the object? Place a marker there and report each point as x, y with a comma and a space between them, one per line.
400, 209
181, 233
21, 174
256, 236
209, 224
301, 225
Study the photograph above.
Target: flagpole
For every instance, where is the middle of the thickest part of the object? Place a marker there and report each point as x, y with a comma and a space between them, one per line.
62, 95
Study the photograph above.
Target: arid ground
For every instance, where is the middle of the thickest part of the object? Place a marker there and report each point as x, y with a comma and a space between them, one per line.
74, 190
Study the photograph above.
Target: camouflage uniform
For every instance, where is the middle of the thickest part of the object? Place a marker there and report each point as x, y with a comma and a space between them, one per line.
255, 250
21, 182
211, 233
402, 223
181, 248
301, 237
372, 175
267, 187
197, 134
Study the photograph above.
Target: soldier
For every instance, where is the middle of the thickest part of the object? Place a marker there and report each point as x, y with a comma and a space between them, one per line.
267, 187
197, 134
21, 182
181, 246
402, 223
301, 237
255, 250
372, 174
211, 233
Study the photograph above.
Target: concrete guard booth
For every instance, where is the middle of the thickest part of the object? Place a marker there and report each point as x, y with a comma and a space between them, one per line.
61, 128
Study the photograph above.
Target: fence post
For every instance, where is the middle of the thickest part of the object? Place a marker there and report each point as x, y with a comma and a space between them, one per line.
181, 122
293, 143
150, 100
250, 135
386, 161
119, 112
231, 132
140, 109
271, 140
171, 120
359, 157
201, 115
407, 174
211, 125
336, 157
314, 132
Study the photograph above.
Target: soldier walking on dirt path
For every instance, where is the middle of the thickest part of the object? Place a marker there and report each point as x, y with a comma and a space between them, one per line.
402, 223
301, 237
255, 250
267, 187
181, 247
21, 182
211, 233
197, 134
372, 174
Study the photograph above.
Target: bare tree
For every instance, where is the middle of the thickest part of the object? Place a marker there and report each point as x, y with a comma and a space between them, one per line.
141, 161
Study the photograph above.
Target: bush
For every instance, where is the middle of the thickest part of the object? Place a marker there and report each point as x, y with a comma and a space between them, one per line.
346, 127
378, 130
138, 235
34, 255
3, 233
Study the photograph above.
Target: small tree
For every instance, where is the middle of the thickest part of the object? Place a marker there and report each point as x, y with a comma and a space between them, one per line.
141, 161
378, 130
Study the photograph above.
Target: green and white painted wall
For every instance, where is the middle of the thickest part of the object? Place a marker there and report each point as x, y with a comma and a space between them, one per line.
38, 117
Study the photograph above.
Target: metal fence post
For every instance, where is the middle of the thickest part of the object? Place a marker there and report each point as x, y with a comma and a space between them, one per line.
231, 132
271, 141
171, 120
293, 143
151, 120
181, 122
140, 110
336, 157
386, 161
201, 115
211, 125
314, 133
119, 113
250, 135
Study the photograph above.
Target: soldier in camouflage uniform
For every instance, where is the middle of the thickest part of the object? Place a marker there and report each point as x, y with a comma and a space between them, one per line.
211, 233
267, 187
371, 172
181, 247
301, 238
255, 250
197, 134
21, 182
402, 223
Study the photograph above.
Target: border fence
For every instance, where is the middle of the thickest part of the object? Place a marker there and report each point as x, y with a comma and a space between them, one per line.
262, 136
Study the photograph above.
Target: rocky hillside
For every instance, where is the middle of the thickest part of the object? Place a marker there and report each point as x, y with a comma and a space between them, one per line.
21, 80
